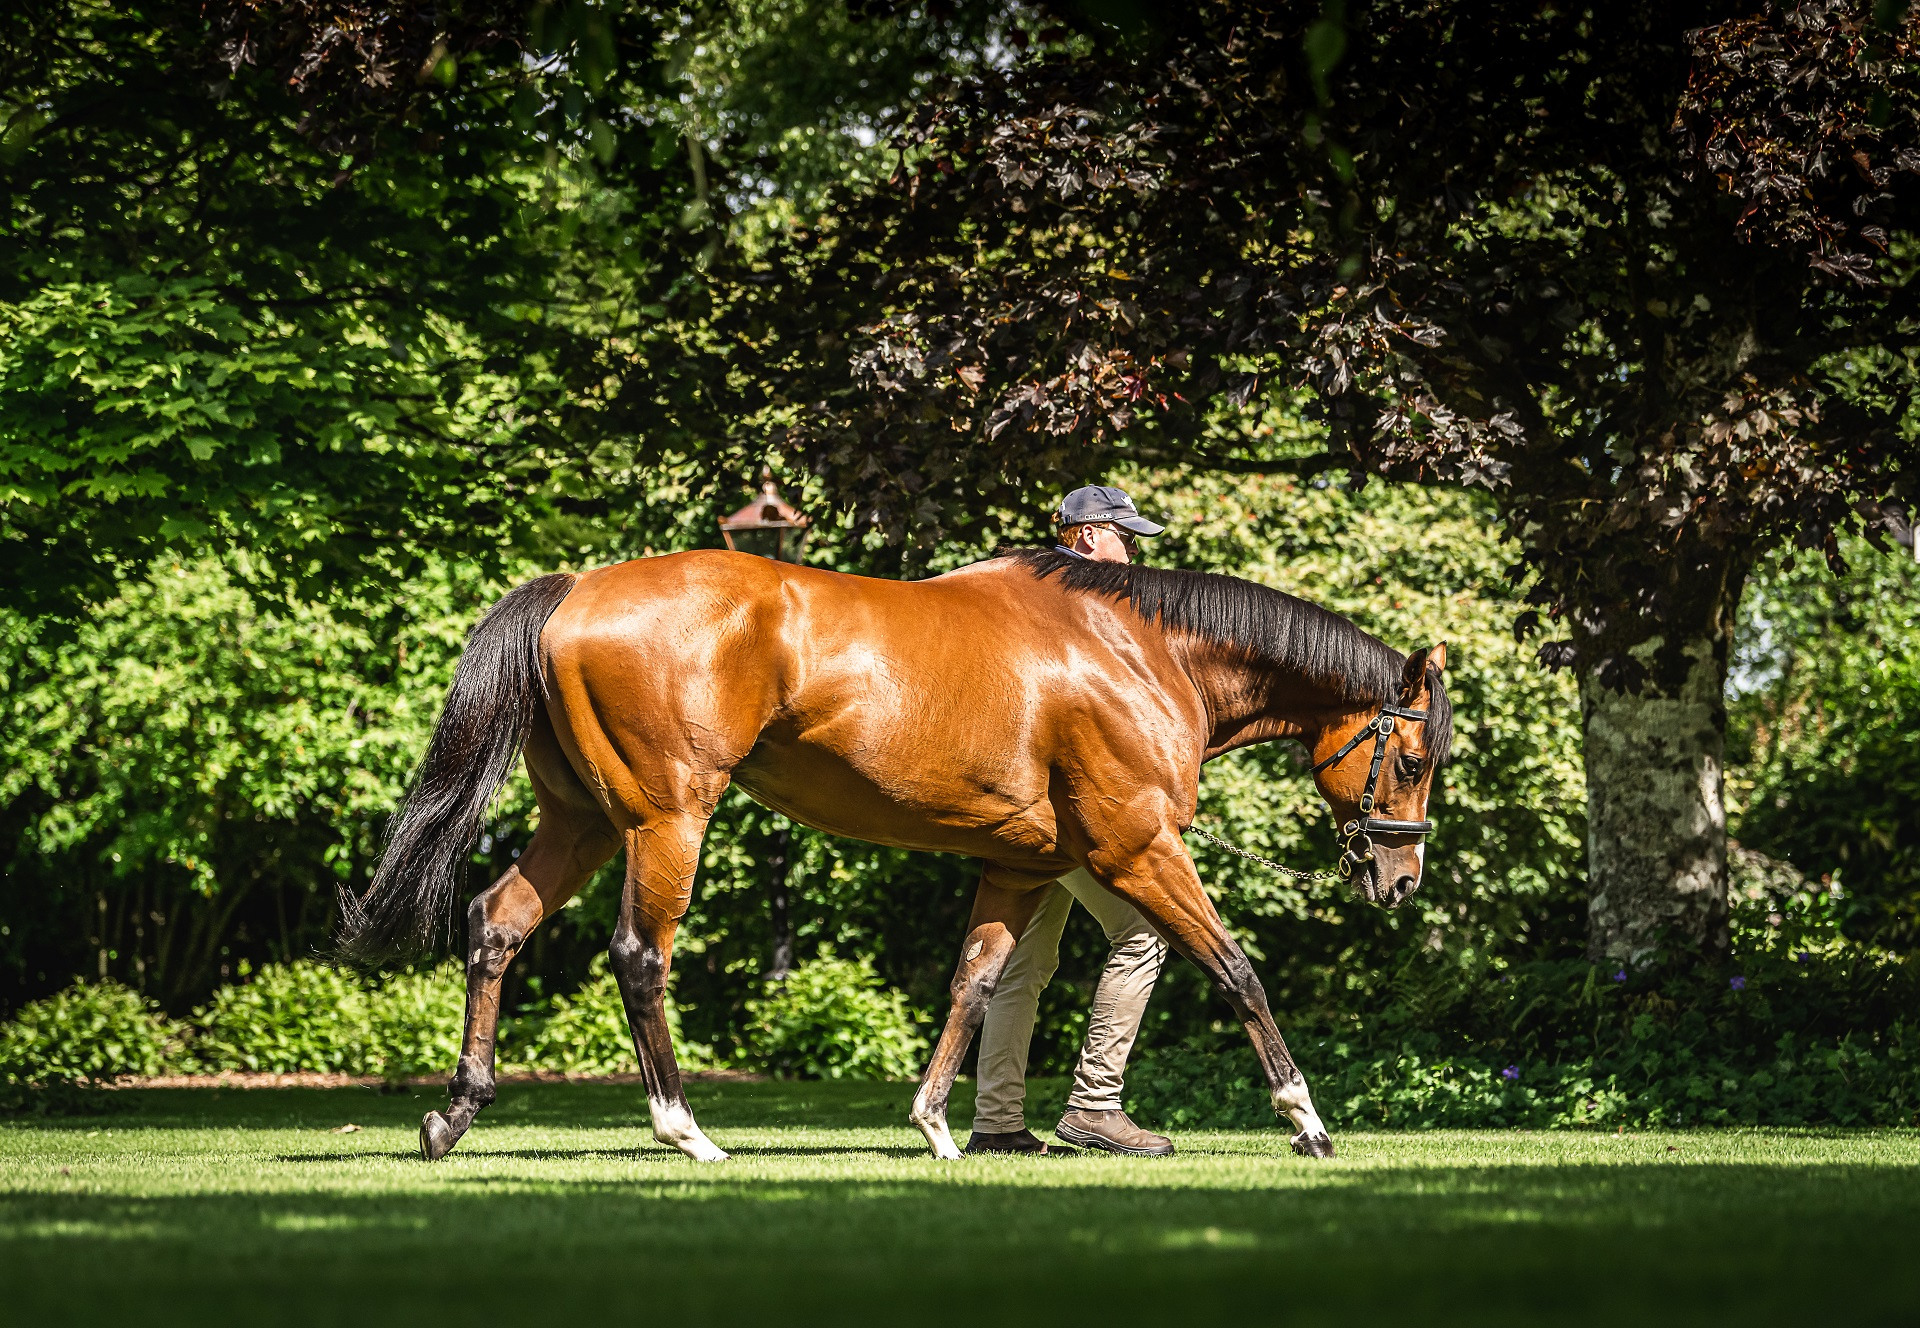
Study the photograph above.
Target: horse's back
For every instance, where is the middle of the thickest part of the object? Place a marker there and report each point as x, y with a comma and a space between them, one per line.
703, 607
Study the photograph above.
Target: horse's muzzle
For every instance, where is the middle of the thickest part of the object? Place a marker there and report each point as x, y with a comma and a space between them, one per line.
1357, 843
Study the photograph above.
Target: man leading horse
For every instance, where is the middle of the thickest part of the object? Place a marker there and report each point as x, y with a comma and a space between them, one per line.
1101, 524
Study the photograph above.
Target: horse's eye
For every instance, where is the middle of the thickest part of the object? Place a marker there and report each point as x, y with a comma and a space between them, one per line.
1409, 767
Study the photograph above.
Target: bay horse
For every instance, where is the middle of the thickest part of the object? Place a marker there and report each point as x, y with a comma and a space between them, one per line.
1036, 711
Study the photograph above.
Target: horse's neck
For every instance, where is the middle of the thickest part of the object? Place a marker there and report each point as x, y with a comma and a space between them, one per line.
1248, 702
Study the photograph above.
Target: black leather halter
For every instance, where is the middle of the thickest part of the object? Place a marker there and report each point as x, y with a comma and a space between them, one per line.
1356, 846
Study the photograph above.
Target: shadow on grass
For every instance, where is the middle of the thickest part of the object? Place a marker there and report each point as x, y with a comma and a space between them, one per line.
1640, 1244
811, 1229
644, 1153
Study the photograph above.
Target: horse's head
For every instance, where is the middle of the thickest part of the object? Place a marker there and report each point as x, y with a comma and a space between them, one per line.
1375, 770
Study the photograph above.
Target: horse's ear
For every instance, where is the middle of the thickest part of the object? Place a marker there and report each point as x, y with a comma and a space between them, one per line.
1414, 676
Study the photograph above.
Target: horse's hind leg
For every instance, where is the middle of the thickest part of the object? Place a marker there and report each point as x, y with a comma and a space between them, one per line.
573, 841
661, 858
1000, 914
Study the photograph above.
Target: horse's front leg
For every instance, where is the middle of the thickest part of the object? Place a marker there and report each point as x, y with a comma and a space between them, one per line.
1161, 881
661, 860
1000, 914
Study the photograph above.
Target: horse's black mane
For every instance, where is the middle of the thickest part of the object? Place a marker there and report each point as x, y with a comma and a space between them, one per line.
1270, 625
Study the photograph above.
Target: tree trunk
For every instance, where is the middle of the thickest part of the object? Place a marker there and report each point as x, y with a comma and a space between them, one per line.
1656, 810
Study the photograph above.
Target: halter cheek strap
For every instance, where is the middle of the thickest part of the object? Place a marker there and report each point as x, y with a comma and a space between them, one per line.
1356, 847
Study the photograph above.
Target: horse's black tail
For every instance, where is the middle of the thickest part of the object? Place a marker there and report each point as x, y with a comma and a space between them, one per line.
489, 711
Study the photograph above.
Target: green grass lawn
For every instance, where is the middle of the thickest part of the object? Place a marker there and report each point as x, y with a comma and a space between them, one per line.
231, 1206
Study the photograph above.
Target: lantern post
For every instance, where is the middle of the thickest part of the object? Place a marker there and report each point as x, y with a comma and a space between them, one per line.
767, 526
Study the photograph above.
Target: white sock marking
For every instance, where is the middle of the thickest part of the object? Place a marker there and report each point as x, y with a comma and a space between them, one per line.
674, 1124
934, 1129
1294, 1100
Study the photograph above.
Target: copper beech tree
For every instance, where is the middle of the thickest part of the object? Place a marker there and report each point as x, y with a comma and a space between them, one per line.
1643, 271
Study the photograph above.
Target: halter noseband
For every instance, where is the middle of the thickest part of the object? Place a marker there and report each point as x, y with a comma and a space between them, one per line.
1355, 845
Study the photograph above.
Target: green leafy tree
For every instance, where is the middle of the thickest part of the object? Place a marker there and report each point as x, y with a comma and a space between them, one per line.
344, 285
1826, 726
190, 773
266, 286
332, 324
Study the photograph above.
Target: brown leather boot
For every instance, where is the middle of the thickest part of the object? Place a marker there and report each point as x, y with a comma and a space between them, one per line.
1020, 1141
1111, 1132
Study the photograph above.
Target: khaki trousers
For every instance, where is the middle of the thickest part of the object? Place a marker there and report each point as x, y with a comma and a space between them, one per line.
1119, 1003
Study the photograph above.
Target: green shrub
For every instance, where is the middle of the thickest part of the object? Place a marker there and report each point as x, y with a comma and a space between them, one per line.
87, 1033
1419, 1083
414, 1023
586, 1033
288, 1018
833, 1019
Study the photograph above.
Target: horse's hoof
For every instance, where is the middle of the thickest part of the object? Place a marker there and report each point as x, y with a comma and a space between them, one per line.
1312, 1145
436, 1137
697, 1146
939, 1140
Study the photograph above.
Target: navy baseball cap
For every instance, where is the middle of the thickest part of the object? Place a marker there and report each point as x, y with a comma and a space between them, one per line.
1097, 502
